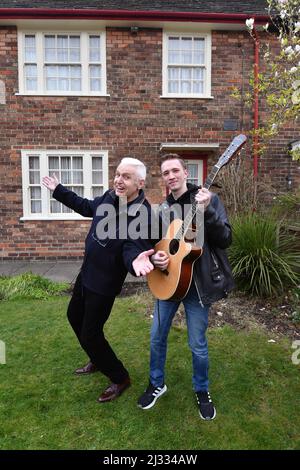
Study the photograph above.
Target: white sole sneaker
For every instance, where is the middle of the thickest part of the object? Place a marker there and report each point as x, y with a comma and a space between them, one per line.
208, 419
162, 391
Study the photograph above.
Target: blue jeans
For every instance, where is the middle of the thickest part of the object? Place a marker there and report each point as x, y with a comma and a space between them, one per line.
197, 321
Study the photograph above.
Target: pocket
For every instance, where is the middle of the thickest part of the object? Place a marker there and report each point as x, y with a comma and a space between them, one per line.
216, 273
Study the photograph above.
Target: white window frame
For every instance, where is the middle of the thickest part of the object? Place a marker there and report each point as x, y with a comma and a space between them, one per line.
200, 168
207, 65
44, 170
84, 41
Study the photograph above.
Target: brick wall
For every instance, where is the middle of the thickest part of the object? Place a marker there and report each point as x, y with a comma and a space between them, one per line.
132, 120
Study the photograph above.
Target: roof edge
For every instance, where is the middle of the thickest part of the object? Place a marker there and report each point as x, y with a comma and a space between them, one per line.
53, 13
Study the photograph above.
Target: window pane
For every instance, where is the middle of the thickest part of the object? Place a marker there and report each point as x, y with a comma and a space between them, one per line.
74, 48
94, 50
35, 193
62, 41
96, 163
173, 87
77, 163
199, 44
186, 44
76, 84
55, 207
192, 170
198, 87
198, 58
173, 73
186, 87
49, 42
30, 49
53, 163
95, 71
31, 77
97, 177
95, 84
75, 42
187, 58
31, 84
50, 55
186, 73
65, 163
34, 163
36, 207
50, 48
51, 84
198, 73
66, 210
174, 43
65, 177
30, 41
77, 177
95, 42
34, 177
75, 71
51, 71
174, 57
97, 191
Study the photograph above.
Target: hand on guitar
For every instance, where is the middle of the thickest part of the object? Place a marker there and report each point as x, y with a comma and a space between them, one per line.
203, 197
160, 260
142, 264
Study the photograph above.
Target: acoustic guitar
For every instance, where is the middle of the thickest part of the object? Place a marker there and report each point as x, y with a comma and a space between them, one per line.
174, 282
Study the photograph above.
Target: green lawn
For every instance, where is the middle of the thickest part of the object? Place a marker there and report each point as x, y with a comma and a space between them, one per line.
254, 384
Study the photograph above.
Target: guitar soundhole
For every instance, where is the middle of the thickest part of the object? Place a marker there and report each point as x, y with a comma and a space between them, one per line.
174, 246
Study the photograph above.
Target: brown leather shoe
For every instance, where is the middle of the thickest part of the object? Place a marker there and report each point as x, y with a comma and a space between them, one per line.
89, 368
113, 391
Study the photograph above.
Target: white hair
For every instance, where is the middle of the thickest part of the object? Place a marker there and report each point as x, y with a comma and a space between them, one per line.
139, 166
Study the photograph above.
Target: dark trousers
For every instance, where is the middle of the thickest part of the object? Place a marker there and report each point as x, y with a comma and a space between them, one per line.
87, 314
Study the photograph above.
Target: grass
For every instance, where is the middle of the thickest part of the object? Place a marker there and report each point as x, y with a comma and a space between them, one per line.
43, 405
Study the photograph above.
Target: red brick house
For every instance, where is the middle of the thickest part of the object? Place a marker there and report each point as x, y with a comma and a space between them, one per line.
84, 83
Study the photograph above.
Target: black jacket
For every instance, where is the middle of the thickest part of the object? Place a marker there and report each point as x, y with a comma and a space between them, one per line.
212, 274
107, 260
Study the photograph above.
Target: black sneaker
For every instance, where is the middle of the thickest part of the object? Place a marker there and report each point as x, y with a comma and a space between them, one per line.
207, 410
149, 397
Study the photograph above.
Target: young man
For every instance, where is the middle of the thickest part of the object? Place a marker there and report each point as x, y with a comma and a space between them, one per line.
109, 255
212, 279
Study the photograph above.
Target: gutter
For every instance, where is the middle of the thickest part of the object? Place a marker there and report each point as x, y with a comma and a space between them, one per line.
255, 99
155, 15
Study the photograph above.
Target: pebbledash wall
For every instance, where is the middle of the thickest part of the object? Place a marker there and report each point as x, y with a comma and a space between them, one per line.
133, 120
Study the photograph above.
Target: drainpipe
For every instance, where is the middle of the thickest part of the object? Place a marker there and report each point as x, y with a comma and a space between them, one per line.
255, 98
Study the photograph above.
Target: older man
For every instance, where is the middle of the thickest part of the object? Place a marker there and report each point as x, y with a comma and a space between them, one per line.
109, 255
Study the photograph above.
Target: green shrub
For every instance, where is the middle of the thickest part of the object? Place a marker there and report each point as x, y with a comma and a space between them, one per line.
29, 286
263, 255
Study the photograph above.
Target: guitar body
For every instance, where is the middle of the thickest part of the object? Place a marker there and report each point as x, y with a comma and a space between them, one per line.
174, 282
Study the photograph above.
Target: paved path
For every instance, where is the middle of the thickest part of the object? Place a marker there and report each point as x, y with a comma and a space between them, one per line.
64, 271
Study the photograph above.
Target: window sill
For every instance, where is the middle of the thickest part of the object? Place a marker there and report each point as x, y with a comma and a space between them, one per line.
188, 96
62, 94
40, 218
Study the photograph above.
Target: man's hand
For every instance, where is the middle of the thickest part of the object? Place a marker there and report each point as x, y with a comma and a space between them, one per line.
49, 182
160, 260
203, 197
142, 264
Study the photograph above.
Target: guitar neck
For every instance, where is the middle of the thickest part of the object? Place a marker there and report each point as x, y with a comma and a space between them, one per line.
195, 206
211, 177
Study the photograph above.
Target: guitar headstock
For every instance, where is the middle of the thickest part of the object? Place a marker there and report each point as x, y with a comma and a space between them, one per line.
232, 150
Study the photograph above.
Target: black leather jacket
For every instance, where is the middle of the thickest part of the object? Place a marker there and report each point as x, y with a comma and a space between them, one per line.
212, 274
